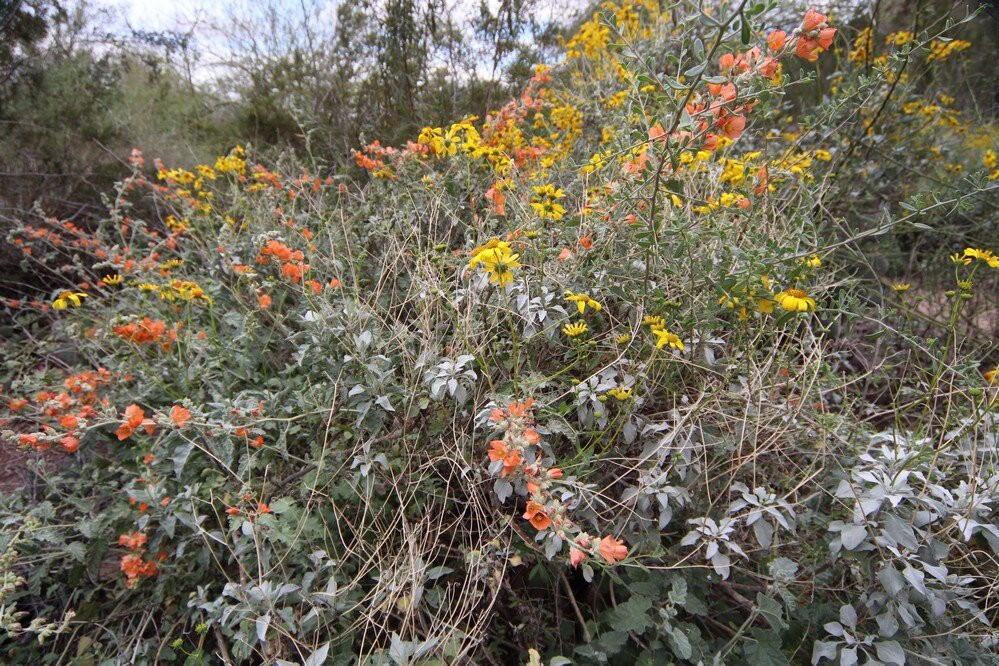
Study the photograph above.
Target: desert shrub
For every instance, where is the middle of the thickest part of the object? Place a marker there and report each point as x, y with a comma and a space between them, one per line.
599, 377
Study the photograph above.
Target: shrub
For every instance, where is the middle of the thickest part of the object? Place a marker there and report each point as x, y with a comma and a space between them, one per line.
590, 379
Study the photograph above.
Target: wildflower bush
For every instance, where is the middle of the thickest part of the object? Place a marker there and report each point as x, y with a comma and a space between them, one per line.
613, 374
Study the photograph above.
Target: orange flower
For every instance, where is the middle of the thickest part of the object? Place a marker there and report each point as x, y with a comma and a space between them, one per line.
732, 124
232, 510
264, 301
776, 40
262, 508
180, 415
586, 242
564, 254
521, 409
532, 436
69, 422
70, 443
576, 557
511, 457
133, 541
812, 20
17, 405
134, 566
258, 442
134, 418
612, 549
536, 515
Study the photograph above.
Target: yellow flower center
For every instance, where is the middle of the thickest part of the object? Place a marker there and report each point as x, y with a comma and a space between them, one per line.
797, 293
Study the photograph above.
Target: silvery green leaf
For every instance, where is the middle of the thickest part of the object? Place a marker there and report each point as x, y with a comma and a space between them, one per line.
853, 535
834, 629
721, 564
890, 652
783, 569
503, 489
771, 611
262, 623
678, 591
823, 650
915, 577
680, 643
764, 532
887, 624
399, 650
848, 656
848, 616
891, 580
318, 658
383, 402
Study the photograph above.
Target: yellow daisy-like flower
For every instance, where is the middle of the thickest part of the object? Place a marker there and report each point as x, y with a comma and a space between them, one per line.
620, 393
623, 339
795, 300
499, 261
984, 255
991, 376
654, 322
148, 286
814, 261
765, 305
492, 244
545, 202
112, 280
574, 330
582, 301
901, 287
958, 258
664, 337
67, 298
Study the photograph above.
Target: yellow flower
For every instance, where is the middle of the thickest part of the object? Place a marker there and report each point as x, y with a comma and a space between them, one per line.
654, 322
67, 298
147, 286
814, 261
989, 159
582, 301
623, 339
985, 255
795, 300
498, 260
545, 202
958, 258
765, 305
965, 285
572, 330
664, 337
901, 287
728, 301
992, 376
620, 393
492, 244
231, 163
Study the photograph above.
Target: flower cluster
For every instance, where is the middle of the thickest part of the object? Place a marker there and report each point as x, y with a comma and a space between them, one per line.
497, 259
518, 460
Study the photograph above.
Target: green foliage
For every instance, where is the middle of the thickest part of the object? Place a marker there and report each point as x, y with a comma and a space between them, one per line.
615, 375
